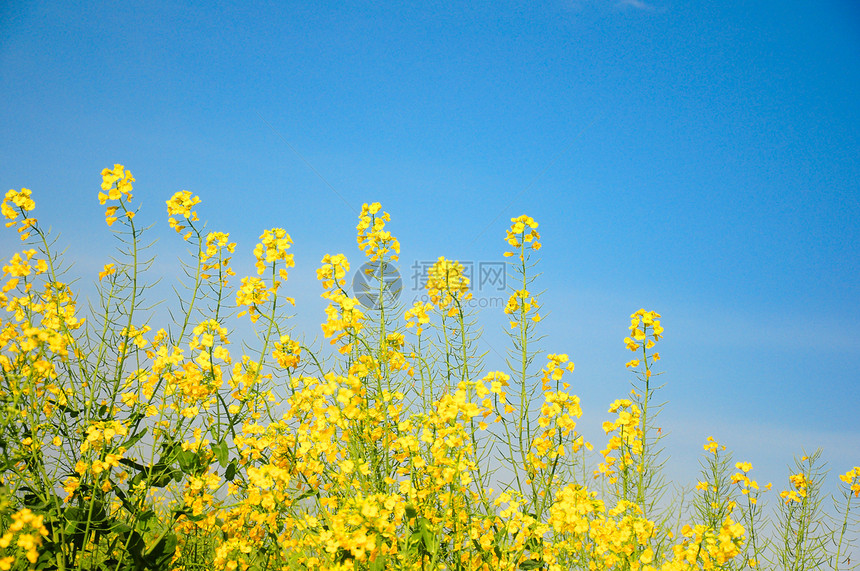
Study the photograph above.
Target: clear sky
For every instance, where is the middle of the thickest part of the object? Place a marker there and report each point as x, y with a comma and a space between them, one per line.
701, 159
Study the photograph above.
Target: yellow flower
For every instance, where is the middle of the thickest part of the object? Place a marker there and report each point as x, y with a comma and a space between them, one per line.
446, 281
287, 352
521, 234
273, 246
110, 215
711, 446
117, 182
251, 293
108, 270
343, 318
8, 212
555, 368
852, 477
181, 203
373, 239
333, 271
21, 199
418, 316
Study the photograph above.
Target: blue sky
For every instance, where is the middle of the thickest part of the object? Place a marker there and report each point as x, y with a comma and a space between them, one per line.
697, 159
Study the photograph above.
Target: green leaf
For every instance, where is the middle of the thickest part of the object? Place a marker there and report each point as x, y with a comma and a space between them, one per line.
120, 527
75, 514
132, 440
222, 453
160, 554
307, 494
189, 461
160, 475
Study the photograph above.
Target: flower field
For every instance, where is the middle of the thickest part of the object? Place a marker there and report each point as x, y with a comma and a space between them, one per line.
127, 445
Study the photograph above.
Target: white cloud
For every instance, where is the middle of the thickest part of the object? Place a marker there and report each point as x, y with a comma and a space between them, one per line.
638, 4
580, 5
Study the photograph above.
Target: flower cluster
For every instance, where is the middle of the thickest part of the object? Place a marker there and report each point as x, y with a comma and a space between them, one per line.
212, 257
852, 478
558, 436
181, 204
273, 246
712, 446
800, 484
252, 294
554, 370
23, 538
100, 434
344, 319
333, 271
621, 540
376, 242
627, 440
522, 234
40, 321
24, 203
743, 480
447, 285
20, 266
708, 547
287, 352
521, 306
641, 324
418, 316
134, 335
204, 336
116, 182
253, 291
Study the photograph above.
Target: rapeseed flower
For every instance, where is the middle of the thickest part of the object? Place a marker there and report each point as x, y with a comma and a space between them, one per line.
108, 270
333, 271
252, 293
376, 242
359, 467
554, 370
852, 477
24, 203
418, 316
447, 285
800, 484
273, 246
522, 234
